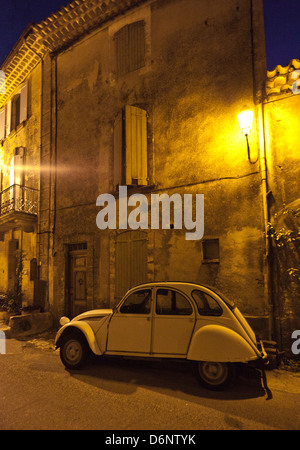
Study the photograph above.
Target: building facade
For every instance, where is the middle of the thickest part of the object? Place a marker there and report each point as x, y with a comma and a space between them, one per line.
282, 121
20, 118
145, 94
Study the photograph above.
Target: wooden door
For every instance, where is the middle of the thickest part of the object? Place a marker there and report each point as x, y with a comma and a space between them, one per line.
77, 282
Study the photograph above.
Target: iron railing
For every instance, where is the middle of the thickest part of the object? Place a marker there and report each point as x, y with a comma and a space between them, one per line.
18, 198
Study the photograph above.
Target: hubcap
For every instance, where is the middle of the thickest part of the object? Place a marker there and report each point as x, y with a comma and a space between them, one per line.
213, 372
73, 352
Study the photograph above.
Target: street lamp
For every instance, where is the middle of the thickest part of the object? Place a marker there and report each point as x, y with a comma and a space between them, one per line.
245, 119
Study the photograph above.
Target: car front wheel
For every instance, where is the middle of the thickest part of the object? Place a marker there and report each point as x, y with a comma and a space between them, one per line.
74, 351
214, 375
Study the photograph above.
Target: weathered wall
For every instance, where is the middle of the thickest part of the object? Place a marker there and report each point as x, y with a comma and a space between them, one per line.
198, 77
283, 151
26, 135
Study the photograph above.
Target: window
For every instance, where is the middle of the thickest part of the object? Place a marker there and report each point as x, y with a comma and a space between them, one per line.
130, 47
130, 147
211, 252
171, 303
207, 306
15, 112
137, 303
17, 167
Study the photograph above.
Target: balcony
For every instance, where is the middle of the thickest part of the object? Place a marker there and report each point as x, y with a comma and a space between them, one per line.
18, 208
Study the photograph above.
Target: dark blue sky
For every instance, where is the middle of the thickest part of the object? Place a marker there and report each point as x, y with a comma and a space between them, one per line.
282, 23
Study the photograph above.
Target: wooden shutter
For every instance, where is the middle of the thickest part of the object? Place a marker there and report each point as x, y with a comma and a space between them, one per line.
17, 172
131, 261
136, 146
2, 82
23, 102
8, 118
137, 47
130, 47
118, 150
2, 123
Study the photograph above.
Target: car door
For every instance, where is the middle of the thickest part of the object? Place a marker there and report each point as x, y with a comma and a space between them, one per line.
130, 326
173, 323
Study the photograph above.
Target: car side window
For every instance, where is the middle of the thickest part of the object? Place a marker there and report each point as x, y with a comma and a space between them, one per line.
207, 306
138, 302
169, 302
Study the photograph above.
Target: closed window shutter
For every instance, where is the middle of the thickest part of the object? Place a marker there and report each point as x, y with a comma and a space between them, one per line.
118, 150
16, 170
2, 123
136, 146
8, 118
130, 47
23, 102
2, 82
136, 42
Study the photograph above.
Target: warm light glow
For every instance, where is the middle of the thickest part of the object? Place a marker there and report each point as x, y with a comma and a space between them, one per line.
245, 119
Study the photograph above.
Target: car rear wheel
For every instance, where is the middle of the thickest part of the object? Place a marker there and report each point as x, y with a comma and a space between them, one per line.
74, 351
214, 375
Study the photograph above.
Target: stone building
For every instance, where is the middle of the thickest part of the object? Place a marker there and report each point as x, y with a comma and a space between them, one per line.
146, 94
20, 118
282, 124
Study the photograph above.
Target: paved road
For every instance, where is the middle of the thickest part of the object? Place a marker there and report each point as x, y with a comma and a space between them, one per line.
36, 392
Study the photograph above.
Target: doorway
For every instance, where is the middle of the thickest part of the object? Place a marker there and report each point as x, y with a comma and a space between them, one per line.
77, 283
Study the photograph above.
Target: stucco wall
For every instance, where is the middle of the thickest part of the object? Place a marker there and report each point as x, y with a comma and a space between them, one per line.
283, 150
198, 77
26, 135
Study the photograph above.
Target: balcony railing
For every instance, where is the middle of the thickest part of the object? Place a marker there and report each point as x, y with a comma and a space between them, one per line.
18, 198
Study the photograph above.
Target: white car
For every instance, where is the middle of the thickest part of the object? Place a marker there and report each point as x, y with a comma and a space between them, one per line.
166, 320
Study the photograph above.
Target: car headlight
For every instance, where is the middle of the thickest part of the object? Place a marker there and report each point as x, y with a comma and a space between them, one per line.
64, 320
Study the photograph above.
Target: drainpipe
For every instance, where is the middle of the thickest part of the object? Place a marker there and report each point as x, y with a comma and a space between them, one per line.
264, 178
38, 250
266, 218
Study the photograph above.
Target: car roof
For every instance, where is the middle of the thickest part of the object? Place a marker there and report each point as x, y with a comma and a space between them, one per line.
172, 283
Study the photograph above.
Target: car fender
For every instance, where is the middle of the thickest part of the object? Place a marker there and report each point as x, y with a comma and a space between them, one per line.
220, 344
85, 329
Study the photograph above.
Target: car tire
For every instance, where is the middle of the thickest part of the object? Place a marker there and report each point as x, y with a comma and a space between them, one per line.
215, 376
74, 351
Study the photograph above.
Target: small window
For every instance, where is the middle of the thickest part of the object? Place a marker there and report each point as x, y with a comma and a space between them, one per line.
211, 251
137, 303
207, 306
81, 246
171, 303
16, 111
130, 47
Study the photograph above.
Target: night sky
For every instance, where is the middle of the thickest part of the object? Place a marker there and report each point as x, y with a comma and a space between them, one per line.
282, 23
